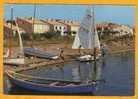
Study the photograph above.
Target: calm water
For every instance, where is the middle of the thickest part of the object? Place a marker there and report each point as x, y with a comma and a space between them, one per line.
115, 75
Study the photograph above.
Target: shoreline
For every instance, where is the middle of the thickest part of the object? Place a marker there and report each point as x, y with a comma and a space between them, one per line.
43, 62
121, 51
55, 48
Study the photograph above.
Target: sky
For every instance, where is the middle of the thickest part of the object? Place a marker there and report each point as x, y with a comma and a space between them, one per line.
103, 13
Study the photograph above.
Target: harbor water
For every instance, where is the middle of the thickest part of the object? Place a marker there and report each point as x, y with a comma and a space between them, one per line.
115, 75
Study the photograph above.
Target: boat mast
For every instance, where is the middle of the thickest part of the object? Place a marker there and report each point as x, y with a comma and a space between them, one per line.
11, 33
20, 41
94, 31
32, 37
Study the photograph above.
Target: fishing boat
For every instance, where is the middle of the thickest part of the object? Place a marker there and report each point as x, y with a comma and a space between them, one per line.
48, 85
87, 37
34, 51
7, 57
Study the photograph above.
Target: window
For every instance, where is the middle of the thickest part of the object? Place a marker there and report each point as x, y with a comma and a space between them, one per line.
56, 27
64, 28
60, 27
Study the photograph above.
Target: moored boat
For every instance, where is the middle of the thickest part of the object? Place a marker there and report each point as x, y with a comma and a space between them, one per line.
87, 38
51, 85
87, 58
38, 53
14, 61
32, 51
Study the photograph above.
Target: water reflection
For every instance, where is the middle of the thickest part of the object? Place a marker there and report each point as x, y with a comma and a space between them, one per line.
103, 63
89, 71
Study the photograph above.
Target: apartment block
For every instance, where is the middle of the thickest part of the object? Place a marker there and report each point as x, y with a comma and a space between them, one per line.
57, 26
72, 26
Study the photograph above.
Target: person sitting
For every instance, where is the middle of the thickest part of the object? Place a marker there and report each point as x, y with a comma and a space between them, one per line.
61, 54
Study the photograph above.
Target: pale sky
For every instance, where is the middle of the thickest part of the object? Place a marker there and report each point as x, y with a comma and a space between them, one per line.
109, 13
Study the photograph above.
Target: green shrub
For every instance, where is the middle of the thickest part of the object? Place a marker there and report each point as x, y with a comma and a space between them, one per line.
50, 35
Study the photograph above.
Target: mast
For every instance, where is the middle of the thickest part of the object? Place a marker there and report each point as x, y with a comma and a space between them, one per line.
11, 33
94, 33
20, 41
91, 31
32, 37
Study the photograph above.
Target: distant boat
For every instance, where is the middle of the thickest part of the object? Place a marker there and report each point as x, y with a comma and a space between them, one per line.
7, 57
48, 85
87, 37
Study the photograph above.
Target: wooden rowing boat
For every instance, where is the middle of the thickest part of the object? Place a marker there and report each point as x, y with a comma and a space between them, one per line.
50, 85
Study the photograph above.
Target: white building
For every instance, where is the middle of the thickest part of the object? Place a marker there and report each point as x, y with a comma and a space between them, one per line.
73, 26
57, 26
124, 30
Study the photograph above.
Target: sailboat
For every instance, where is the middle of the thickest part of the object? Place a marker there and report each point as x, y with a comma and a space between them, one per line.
7, 57
15, 61
87, 37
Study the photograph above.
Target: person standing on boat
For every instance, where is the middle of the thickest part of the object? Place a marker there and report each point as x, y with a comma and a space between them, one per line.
103, 50
61, 55
79, 49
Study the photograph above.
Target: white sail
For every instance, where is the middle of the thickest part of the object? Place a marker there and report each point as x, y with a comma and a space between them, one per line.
20, 41
76, 42
87, 35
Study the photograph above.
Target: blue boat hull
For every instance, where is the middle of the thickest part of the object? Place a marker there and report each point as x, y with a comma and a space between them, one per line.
69, 90
38, 53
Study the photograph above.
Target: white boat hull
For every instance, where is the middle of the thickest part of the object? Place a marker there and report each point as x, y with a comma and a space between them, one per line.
87, 58
14, 61
55, 57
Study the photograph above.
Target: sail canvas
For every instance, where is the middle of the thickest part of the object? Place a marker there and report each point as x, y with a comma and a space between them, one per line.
87, 35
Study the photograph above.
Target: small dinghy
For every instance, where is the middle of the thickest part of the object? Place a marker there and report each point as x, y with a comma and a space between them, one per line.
49, 85
35, 52
38, 53
87, 58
